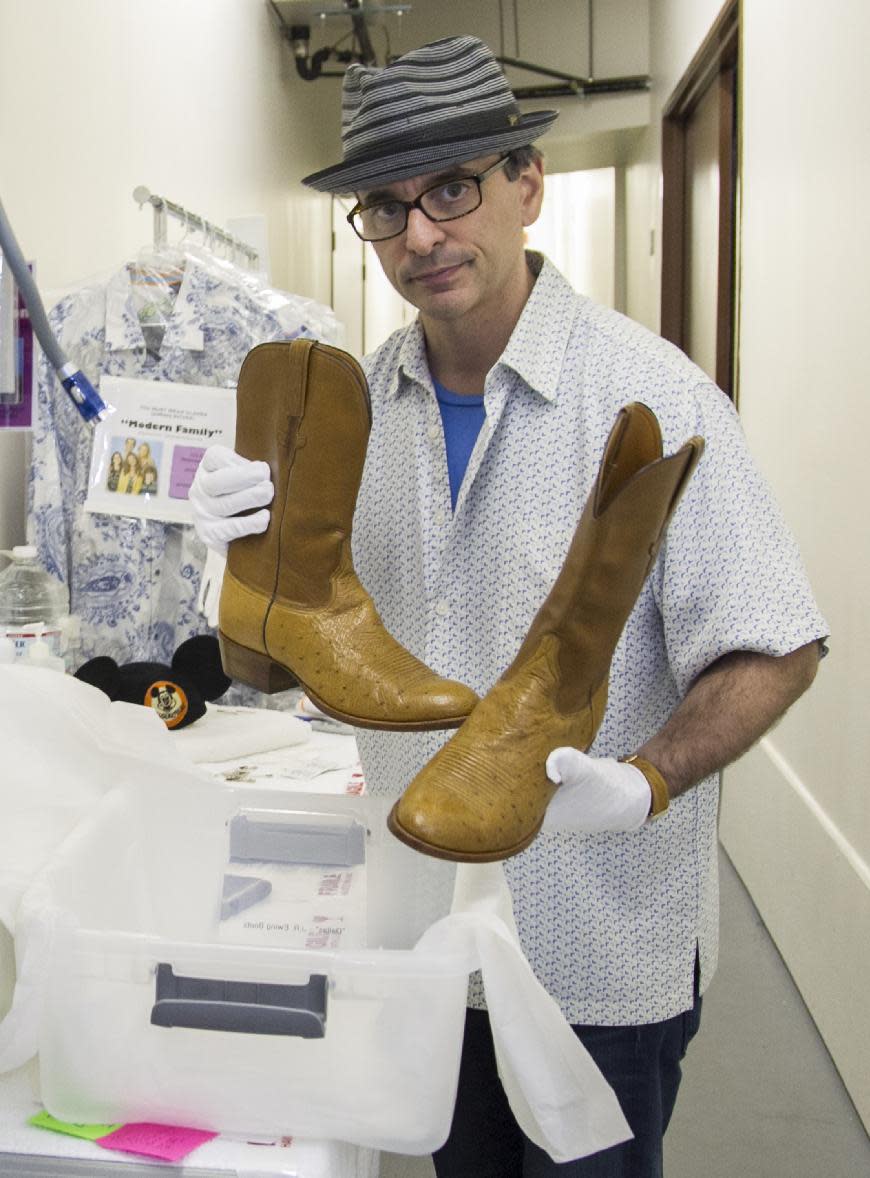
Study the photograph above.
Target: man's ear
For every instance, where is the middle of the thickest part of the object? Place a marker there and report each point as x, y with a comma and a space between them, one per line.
531, 191
531, 182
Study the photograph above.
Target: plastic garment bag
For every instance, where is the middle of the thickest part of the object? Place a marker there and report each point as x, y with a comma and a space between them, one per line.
158, 271
176, 314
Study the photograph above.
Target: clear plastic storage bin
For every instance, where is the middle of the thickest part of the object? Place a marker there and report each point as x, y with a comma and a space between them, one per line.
243, 961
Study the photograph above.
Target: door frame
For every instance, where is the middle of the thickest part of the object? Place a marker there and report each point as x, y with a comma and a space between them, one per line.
715, 64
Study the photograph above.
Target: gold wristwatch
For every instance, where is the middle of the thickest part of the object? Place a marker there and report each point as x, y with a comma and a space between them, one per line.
658, 787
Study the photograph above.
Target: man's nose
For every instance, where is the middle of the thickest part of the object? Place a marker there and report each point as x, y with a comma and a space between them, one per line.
421, 234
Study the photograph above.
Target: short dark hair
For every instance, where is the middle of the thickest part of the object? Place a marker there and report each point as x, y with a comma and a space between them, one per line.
521, 158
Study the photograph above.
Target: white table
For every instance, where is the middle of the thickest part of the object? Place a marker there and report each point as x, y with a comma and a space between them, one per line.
28, 1152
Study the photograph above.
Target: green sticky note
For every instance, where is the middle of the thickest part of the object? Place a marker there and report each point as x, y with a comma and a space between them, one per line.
45, 1120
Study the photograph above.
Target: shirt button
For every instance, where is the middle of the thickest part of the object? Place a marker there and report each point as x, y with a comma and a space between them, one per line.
442, 607
434, 433
440, 517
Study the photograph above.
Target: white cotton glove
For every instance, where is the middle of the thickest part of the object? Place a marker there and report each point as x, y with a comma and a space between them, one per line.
225, 484
595, 793
210, 585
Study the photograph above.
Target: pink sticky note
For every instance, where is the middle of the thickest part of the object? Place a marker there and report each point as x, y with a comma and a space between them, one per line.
170, 1143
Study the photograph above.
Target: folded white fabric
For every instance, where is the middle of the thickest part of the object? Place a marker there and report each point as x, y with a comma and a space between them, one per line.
556, 1092
227, 732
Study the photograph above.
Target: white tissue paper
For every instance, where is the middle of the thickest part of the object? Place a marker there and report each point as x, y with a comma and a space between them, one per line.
65, 743
555, 1089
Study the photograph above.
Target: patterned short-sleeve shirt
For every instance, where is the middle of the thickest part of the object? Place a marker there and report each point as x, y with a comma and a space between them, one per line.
609, 922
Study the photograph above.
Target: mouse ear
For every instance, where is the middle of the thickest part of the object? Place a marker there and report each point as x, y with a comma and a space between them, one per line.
200, 658
102, 672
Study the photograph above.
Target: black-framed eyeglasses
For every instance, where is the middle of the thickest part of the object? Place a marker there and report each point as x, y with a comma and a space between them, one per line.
446, 201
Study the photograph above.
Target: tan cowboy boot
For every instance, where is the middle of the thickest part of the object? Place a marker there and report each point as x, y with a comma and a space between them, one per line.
291, 605
483, 795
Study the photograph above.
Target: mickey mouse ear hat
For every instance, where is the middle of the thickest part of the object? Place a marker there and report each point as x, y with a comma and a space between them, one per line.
440, 104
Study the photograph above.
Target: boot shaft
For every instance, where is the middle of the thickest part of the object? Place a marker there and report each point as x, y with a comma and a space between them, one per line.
304, 408
614, 547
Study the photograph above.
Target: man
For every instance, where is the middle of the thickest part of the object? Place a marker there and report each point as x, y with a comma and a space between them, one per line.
490, 415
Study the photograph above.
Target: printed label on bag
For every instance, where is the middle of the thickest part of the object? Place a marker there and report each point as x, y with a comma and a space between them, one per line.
148, 445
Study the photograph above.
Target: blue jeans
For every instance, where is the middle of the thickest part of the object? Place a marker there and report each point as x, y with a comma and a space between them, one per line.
642, 1065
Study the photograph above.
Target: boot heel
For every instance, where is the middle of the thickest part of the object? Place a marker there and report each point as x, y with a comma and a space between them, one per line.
254, 669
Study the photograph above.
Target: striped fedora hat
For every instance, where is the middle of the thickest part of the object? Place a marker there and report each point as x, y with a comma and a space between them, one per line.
440, 104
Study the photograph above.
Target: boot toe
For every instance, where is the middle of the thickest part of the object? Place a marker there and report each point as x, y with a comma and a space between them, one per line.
450, 702
444, 824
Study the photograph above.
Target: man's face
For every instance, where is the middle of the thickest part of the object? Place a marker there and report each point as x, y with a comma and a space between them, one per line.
448, 269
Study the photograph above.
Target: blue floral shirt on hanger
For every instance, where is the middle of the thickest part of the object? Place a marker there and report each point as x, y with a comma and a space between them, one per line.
133, 583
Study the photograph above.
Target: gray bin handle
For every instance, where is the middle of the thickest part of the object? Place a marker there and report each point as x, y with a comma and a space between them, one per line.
251, 1008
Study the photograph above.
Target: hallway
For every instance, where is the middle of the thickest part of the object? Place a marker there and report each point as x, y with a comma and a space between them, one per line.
760, 1097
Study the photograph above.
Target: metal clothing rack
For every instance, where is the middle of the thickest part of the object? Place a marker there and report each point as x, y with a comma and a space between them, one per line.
163, 207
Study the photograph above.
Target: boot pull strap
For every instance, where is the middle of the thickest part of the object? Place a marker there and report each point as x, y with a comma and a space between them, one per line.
635, 441
298, 357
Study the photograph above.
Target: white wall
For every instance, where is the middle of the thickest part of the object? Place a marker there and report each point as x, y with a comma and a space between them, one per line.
796, 818
198, 101
796, 810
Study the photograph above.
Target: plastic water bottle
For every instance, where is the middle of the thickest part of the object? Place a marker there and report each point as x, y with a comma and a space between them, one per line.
33, 611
